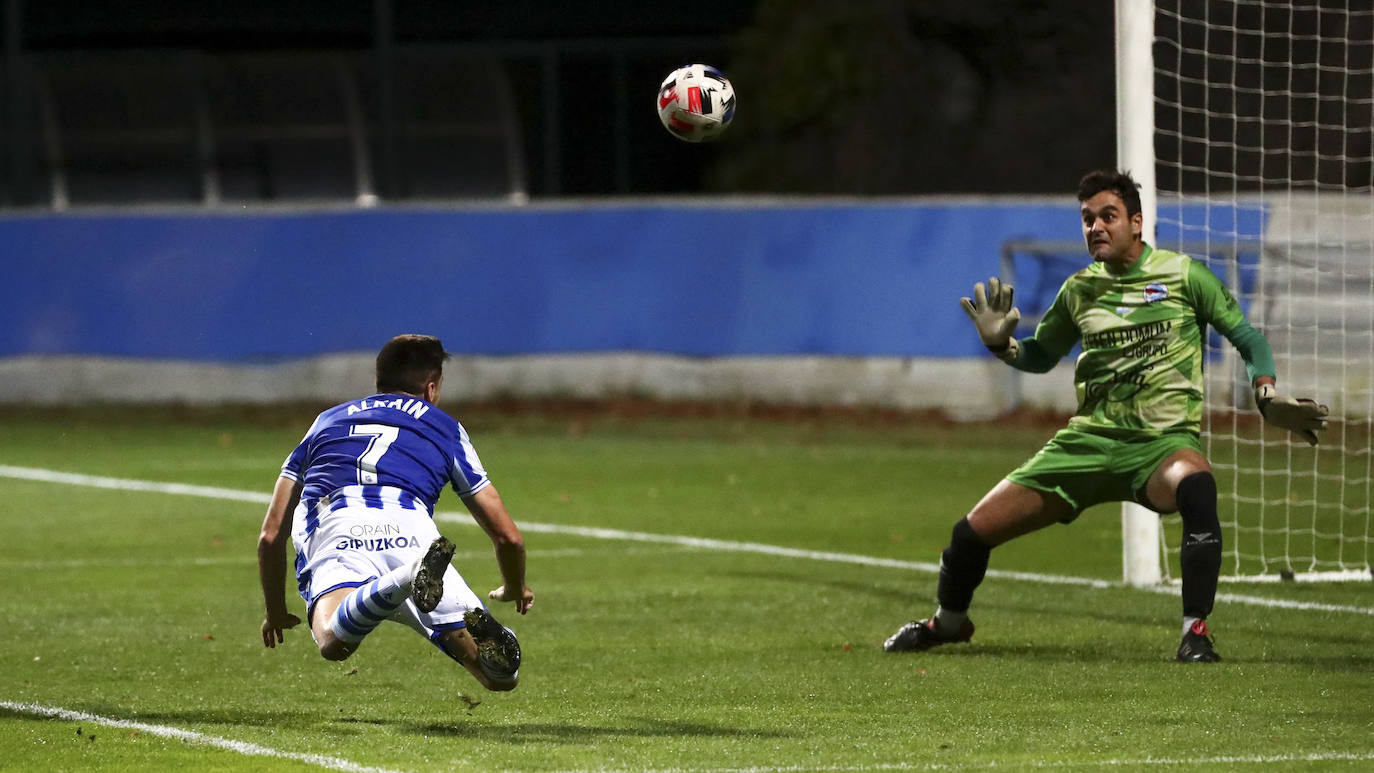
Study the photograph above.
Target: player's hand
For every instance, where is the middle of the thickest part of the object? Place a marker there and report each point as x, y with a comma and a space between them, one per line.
273, 625
523, 598
993, 314
1297, 415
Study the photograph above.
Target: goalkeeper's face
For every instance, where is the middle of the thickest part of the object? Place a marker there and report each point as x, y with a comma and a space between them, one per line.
1112, 235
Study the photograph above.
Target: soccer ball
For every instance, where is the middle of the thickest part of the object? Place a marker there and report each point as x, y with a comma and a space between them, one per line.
696, 103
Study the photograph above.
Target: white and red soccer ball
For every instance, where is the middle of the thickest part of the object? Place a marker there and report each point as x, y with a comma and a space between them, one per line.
696, 103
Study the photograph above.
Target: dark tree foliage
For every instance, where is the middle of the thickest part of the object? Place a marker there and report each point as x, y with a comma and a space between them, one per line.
920, 96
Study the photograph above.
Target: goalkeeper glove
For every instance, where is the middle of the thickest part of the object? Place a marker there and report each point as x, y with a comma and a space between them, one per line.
995, 318
1297, 415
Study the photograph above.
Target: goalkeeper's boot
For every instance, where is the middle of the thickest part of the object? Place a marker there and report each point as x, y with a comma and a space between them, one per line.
498, 651
919, 635
1196, 646
428, 585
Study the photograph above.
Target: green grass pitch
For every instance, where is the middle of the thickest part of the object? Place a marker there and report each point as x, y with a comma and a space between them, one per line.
131, 617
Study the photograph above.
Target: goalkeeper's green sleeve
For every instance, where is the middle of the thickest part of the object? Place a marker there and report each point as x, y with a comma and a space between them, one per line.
1033, 357
1254, 349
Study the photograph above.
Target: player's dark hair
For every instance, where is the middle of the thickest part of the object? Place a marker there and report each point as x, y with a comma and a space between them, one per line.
1113, 180
407, 362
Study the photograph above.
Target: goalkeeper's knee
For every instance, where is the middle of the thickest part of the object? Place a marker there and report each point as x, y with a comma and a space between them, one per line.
1197, 504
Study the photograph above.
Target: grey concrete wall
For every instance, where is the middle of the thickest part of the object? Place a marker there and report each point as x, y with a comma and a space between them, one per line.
972, 388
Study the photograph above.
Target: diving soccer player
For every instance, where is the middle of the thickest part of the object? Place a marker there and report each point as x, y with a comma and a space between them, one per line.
357, 496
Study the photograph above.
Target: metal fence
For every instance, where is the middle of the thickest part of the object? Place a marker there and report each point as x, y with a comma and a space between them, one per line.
482, 120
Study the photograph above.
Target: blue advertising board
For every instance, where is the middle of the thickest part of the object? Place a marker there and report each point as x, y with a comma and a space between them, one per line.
860, 279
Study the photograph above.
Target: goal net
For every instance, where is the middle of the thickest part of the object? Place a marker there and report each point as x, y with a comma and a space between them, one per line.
1263, 146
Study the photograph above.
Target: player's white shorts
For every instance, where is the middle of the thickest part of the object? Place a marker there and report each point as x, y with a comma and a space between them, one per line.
353, 545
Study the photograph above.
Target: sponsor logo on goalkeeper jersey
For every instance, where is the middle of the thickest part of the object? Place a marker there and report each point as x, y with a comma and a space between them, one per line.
1119, 386
1124, 336
1151, 347
1155, 292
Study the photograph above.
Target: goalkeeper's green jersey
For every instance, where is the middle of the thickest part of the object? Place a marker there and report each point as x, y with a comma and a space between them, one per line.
1143, 336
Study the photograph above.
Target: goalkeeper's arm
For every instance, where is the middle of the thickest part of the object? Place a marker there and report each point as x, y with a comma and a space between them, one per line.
1300, 416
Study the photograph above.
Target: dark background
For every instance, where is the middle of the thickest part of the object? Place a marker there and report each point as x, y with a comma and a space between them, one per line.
865, 97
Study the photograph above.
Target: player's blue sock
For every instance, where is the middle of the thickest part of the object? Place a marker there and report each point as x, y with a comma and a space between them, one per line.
365, 608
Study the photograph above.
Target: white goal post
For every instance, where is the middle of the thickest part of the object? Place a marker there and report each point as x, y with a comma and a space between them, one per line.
1140, 528
1250, 126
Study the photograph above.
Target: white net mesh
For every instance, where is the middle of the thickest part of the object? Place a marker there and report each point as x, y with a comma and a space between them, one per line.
1264, 140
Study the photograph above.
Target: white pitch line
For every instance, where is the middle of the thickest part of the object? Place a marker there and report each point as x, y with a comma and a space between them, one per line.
212, 492
760, 548
190, 736
130, 484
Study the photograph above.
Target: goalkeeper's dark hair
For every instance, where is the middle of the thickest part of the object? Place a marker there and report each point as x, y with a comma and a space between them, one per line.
1118, 182
408, 362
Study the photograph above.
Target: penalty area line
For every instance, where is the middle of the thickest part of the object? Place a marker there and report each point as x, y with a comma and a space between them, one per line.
757, 548
190, 736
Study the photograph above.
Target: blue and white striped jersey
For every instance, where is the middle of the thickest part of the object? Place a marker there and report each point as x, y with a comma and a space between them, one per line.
382, 450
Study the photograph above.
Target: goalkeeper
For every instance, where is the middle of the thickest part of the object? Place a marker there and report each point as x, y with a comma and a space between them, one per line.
1141, 315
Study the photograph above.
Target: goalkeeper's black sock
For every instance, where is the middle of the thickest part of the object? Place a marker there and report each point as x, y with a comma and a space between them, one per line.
962, 567
1200, 555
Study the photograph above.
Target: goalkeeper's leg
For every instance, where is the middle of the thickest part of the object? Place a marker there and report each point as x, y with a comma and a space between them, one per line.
1194, 495
1007, 512
962, 567
1200, 555
1200, 558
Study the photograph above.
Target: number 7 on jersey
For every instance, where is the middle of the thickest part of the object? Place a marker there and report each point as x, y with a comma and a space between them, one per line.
383, 435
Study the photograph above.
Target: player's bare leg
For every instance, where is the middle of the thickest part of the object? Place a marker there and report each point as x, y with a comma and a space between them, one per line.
1011, 510
326, 607
1008, 511
492, 656
1184, 482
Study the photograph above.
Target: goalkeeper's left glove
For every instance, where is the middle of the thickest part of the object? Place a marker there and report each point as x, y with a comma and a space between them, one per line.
1297, 415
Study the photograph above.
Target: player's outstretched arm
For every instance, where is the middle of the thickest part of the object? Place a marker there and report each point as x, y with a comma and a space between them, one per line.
995, 317
276, 533
1299, 415
490, 513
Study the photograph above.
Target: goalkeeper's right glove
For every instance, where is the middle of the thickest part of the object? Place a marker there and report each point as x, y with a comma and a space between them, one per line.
995, 318
1297, 415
